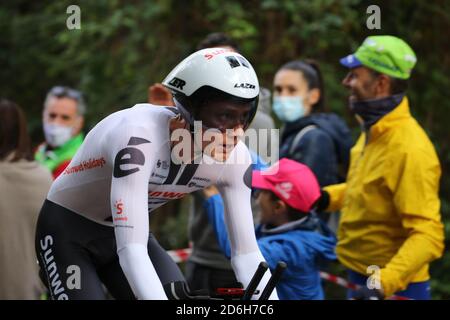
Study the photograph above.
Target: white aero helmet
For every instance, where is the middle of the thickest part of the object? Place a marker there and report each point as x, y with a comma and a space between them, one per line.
213, 71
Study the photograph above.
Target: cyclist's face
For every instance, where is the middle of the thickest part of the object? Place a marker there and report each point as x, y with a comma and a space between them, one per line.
63, 111
224, 115
230, 120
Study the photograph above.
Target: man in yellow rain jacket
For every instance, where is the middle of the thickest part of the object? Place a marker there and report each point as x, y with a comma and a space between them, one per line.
390, 228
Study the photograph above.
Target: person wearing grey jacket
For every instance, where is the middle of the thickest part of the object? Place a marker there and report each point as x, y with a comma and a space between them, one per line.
24, 184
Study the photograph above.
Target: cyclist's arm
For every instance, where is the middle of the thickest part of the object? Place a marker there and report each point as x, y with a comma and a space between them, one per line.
129, 196
234, 187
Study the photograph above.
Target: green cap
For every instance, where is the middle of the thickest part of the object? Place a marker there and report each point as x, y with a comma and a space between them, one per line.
386, 54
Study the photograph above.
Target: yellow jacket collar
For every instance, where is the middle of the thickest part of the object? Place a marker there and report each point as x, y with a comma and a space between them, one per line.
401, 112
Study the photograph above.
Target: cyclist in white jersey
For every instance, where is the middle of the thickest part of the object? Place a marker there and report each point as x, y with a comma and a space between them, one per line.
93, 228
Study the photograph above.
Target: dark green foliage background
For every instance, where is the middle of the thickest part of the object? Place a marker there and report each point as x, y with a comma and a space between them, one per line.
123, 46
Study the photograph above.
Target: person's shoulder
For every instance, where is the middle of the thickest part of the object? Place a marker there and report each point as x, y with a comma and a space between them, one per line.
409, 137
43, 173
33, 170
147, 112
331, 122
308, 241
144, 117
287, 238
327, 118
316, 134
142, 110
291, 244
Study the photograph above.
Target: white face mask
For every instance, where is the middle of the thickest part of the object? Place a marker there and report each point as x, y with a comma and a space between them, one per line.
56, 135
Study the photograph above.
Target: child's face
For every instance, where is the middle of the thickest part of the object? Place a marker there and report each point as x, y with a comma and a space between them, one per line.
268, 207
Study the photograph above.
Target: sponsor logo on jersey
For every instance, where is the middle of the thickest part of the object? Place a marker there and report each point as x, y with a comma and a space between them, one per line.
162, 164
166, 195
55, 281
86, 165
195, 185
154, 174
129, 156
118, 205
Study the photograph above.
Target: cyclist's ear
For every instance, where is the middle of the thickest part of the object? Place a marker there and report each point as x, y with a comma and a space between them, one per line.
157, 94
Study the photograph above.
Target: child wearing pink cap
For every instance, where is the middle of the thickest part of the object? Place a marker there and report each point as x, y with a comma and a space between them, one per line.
289, 229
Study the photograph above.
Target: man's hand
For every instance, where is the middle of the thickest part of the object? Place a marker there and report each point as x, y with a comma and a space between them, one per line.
160, 95
324, 200
365, 293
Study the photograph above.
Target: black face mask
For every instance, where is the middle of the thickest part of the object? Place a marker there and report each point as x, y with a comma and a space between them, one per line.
373, 110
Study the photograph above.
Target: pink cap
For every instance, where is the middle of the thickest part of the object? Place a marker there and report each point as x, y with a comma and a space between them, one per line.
291, 181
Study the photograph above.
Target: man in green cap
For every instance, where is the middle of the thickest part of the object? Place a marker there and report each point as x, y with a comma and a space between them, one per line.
390, 228
63, 120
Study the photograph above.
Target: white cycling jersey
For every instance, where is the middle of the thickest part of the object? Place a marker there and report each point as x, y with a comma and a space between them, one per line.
123, 171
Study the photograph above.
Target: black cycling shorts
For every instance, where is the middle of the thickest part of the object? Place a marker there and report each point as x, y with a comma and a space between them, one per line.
78, 256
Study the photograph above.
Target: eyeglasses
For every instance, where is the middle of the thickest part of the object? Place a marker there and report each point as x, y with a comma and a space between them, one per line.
61, 92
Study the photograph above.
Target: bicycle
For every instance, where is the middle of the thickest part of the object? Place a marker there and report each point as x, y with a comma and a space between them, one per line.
178, 290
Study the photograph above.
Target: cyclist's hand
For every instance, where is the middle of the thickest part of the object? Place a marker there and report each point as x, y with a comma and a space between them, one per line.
210, 191
159, 95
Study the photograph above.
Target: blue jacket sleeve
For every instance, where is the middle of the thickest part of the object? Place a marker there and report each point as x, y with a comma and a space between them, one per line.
215, 210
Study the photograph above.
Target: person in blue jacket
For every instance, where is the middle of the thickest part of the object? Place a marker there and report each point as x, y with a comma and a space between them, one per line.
289, 228
319, 139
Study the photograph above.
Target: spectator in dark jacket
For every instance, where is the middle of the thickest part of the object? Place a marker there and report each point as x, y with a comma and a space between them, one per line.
320, 140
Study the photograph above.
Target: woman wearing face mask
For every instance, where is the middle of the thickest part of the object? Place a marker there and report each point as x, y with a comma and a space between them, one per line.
320, 140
